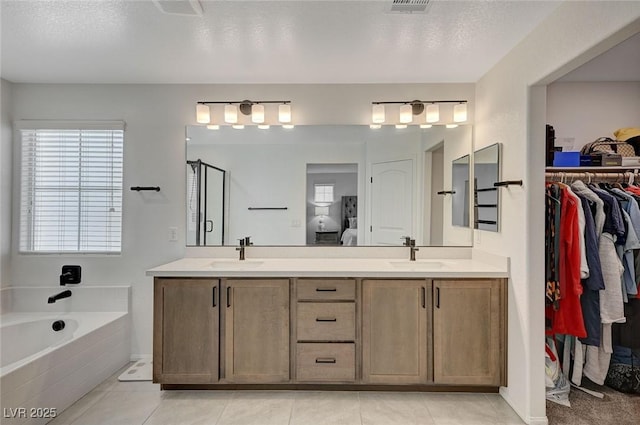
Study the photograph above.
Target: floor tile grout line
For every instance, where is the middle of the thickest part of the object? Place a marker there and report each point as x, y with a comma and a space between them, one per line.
232, 395
226, 405
360, 408
152, 412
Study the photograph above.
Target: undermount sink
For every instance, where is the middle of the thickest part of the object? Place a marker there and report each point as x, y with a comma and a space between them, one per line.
235, 264
418, 264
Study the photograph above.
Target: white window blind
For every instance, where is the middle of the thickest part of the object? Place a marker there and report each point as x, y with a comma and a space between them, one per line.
323, 193
71, 190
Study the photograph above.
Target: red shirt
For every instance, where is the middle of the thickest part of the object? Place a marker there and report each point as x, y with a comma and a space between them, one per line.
568, 318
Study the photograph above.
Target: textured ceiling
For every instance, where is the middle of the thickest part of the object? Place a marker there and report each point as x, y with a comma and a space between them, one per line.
117, 41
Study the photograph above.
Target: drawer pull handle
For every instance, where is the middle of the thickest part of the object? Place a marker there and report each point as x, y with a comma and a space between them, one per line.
326, 289
326, 319
325, 360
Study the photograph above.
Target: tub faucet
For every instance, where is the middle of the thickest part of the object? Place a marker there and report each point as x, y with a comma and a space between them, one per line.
59, 296
241, 248
412, 250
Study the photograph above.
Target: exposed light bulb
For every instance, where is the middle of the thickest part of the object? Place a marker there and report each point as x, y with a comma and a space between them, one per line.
203, 114
377, 114
375, 126
230, 113
426, 125
433, 113
213, 127
460, 112
257, 113
264, 126
401, 126
406, 114
238, 126
284, 113
451, 125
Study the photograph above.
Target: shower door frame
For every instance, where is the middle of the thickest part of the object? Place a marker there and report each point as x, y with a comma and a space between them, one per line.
200, 164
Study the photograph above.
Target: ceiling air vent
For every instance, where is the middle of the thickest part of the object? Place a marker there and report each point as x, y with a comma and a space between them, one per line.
409, 6
179, 7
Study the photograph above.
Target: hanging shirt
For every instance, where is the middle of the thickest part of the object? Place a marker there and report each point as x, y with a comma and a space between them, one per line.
590, 299
568, 318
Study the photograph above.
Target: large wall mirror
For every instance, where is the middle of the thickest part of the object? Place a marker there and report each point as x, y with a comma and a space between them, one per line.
486, 171
340, 185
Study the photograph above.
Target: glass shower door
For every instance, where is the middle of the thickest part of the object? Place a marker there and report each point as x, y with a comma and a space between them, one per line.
205, 204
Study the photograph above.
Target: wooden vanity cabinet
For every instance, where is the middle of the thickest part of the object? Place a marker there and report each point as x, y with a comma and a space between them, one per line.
256, 325
395, 331
186, 331
469, 332
326, 330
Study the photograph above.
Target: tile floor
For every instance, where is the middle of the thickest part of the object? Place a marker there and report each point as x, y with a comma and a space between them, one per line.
138, 403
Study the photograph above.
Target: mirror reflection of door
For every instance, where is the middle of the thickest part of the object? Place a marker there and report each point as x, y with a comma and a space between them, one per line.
391, 201
436, 224
205, 204
460, 188
332, 217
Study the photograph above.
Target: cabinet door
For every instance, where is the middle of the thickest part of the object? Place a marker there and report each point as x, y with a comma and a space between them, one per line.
257, 330
394, 333
467, 332
186, 331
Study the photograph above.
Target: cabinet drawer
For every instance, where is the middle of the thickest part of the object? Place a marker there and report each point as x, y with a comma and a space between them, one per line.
326, 362
326, 321
326, 289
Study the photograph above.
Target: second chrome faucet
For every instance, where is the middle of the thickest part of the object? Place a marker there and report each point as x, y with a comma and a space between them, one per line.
244, 242
411, 243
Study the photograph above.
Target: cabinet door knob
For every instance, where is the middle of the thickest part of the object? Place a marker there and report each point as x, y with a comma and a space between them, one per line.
325, 360
214, 296
437, 297
326, 319
326, 289
424, 297
228, 296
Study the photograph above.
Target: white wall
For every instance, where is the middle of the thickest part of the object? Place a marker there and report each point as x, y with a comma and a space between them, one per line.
511, 111
156, 116
586, 111
5, 182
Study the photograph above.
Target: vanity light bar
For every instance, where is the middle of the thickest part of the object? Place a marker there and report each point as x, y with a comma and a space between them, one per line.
411, 108
254, 108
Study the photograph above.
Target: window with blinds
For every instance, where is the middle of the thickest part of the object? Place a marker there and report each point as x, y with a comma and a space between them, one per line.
71, 190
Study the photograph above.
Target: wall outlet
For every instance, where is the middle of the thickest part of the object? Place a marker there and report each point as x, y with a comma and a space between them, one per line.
295, 223
173, 234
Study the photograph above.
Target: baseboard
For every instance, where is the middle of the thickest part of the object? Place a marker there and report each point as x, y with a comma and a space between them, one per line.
531, 420
538, 420
136, 357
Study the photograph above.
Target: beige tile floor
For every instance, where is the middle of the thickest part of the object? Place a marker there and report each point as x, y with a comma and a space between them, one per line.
142, 403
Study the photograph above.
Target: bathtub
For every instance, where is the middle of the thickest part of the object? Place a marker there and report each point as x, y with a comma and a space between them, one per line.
42, 371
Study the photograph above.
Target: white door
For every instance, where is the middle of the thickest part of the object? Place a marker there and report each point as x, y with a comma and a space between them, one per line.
391, 202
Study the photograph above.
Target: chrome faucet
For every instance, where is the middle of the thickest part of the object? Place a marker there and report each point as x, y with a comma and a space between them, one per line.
61, 295
241, 248
412, 250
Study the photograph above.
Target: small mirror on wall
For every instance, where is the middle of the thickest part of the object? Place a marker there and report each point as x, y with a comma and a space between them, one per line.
460, 191
486, 197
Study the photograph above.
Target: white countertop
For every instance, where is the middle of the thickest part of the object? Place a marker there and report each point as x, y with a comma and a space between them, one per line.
329, 267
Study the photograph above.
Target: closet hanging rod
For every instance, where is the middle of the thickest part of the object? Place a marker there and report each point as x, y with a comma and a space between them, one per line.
588, 175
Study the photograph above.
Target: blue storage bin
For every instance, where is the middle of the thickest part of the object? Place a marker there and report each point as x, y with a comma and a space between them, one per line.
566, 159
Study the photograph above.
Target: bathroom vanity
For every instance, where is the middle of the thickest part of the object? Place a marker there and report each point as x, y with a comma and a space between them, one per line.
325, 323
